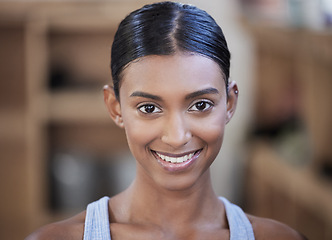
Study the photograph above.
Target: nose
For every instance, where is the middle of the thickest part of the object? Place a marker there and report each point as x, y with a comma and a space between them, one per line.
176, 132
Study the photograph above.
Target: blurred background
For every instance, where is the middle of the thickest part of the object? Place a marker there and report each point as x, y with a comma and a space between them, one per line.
59, 150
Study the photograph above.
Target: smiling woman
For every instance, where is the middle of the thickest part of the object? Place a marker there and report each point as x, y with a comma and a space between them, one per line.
186, 118
171, 94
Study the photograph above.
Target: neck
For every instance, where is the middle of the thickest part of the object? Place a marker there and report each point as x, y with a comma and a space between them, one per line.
192, 205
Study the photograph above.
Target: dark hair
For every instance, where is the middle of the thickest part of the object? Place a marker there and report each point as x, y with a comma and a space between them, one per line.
163, 29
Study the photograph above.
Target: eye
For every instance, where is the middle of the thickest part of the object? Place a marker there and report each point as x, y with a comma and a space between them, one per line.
149, 109
201, 106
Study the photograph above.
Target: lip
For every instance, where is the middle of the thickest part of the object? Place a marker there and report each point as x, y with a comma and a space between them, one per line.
176, 166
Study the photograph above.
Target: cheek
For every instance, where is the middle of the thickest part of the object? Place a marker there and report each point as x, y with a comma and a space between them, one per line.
139, 133
212, 129
213, 136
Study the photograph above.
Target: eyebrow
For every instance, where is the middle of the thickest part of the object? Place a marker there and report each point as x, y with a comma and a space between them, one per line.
189, 96
145, 95
202, 92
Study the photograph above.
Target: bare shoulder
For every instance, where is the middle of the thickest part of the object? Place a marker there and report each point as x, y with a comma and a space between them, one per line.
68, 229
273, 230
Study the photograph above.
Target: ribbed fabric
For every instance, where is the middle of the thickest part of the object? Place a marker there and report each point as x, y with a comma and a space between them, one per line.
239, 226
97, 226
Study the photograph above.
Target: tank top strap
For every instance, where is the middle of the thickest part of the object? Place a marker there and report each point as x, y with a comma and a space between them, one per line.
97, 226
239, 224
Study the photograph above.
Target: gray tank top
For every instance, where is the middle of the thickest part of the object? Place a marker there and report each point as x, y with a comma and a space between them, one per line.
97, 226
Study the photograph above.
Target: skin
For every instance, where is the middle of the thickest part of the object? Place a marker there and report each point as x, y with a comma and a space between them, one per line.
171, 105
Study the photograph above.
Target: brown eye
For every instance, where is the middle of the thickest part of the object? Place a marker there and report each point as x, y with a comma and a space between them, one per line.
201, 106
148, 109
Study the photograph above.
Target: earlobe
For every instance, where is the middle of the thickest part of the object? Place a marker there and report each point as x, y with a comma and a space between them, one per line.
233, 93
113, 105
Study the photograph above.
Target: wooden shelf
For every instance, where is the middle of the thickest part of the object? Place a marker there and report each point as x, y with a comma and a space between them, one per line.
38, 118
77, 106
293, 81
296, 196
12, 130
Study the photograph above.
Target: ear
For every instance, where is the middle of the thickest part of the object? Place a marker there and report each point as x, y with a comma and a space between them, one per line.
113, 105
233, 93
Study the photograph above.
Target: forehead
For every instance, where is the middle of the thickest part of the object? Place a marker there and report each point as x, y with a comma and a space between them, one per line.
177, 71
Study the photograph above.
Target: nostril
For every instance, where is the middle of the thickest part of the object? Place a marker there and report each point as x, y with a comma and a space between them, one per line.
176, 140
176, 131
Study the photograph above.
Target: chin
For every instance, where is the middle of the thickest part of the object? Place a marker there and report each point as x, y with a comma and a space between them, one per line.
180, 183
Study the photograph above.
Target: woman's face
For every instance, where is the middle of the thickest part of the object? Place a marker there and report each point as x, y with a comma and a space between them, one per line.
174, 110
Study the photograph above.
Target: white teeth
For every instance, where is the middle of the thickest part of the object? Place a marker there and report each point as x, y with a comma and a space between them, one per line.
181, 159
175, 159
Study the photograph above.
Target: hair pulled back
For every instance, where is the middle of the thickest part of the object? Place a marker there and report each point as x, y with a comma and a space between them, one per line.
166, 28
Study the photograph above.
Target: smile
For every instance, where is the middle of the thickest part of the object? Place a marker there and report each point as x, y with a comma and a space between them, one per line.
177, 159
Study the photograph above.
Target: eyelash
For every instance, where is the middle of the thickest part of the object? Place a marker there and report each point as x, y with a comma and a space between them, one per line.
205, 102
154, 109
144, 106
